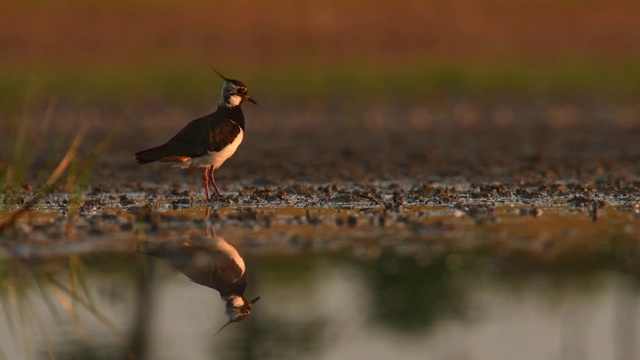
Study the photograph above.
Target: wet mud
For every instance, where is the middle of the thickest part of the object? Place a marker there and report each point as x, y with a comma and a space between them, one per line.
320, 171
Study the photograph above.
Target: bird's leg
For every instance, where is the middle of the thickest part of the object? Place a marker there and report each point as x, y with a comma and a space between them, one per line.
213, 182
206, 182
208, 227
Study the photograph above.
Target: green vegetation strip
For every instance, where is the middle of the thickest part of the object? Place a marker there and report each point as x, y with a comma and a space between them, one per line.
615, 80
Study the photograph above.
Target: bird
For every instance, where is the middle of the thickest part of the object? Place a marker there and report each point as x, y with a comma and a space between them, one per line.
206, 142
211, 262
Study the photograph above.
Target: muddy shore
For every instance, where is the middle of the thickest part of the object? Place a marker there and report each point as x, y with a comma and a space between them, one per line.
321, 166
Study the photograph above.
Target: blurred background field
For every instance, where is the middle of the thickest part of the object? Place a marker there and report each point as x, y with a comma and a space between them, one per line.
362, 89
144, 49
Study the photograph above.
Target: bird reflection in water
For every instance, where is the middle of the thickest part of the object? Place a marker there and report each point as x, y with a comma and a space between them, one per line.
211, 262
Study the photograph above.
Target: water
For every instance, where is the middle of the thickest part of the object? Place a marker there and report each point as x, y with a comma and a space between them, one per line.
555, 287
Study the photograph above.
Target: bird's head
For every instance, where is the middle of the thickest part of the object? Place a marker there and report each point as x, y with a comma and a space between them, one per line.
234, 92
238, 309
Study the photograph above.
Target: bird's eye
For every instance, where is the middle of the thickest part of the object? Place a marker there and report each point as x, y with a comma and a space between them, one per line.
241, 90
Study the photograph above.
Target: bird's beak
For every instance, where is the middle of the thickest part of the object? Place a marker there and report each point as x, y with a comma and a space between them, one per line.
250, 99
223, 326
254, 300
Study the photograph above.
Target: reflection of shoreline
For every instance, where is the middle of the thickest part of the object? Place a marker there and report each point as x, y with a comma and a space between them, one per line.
209, 261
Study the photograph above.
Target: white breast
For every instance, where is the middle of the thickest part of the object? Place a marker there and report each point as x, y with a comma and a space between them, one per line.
223, 246
216, 158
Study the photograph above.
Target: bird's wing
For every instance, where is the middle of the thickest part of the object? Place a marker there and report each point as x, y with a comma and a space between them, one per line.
208, 133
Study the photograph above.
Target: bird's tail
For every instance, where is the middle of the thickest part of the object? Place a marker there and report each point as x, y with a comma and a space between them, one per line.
151, 155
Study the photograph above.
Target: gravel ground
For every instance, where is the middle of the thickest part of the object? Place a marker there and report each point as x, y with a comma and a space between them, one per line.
358, 168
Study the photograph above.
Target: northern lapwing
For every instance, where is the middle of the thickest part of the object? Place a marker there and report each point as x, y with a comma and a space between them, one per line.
209, 141
211, 262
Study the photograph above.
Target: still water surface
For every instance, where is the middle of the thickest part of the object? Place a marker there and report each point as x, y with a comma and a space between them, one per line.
464, 303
